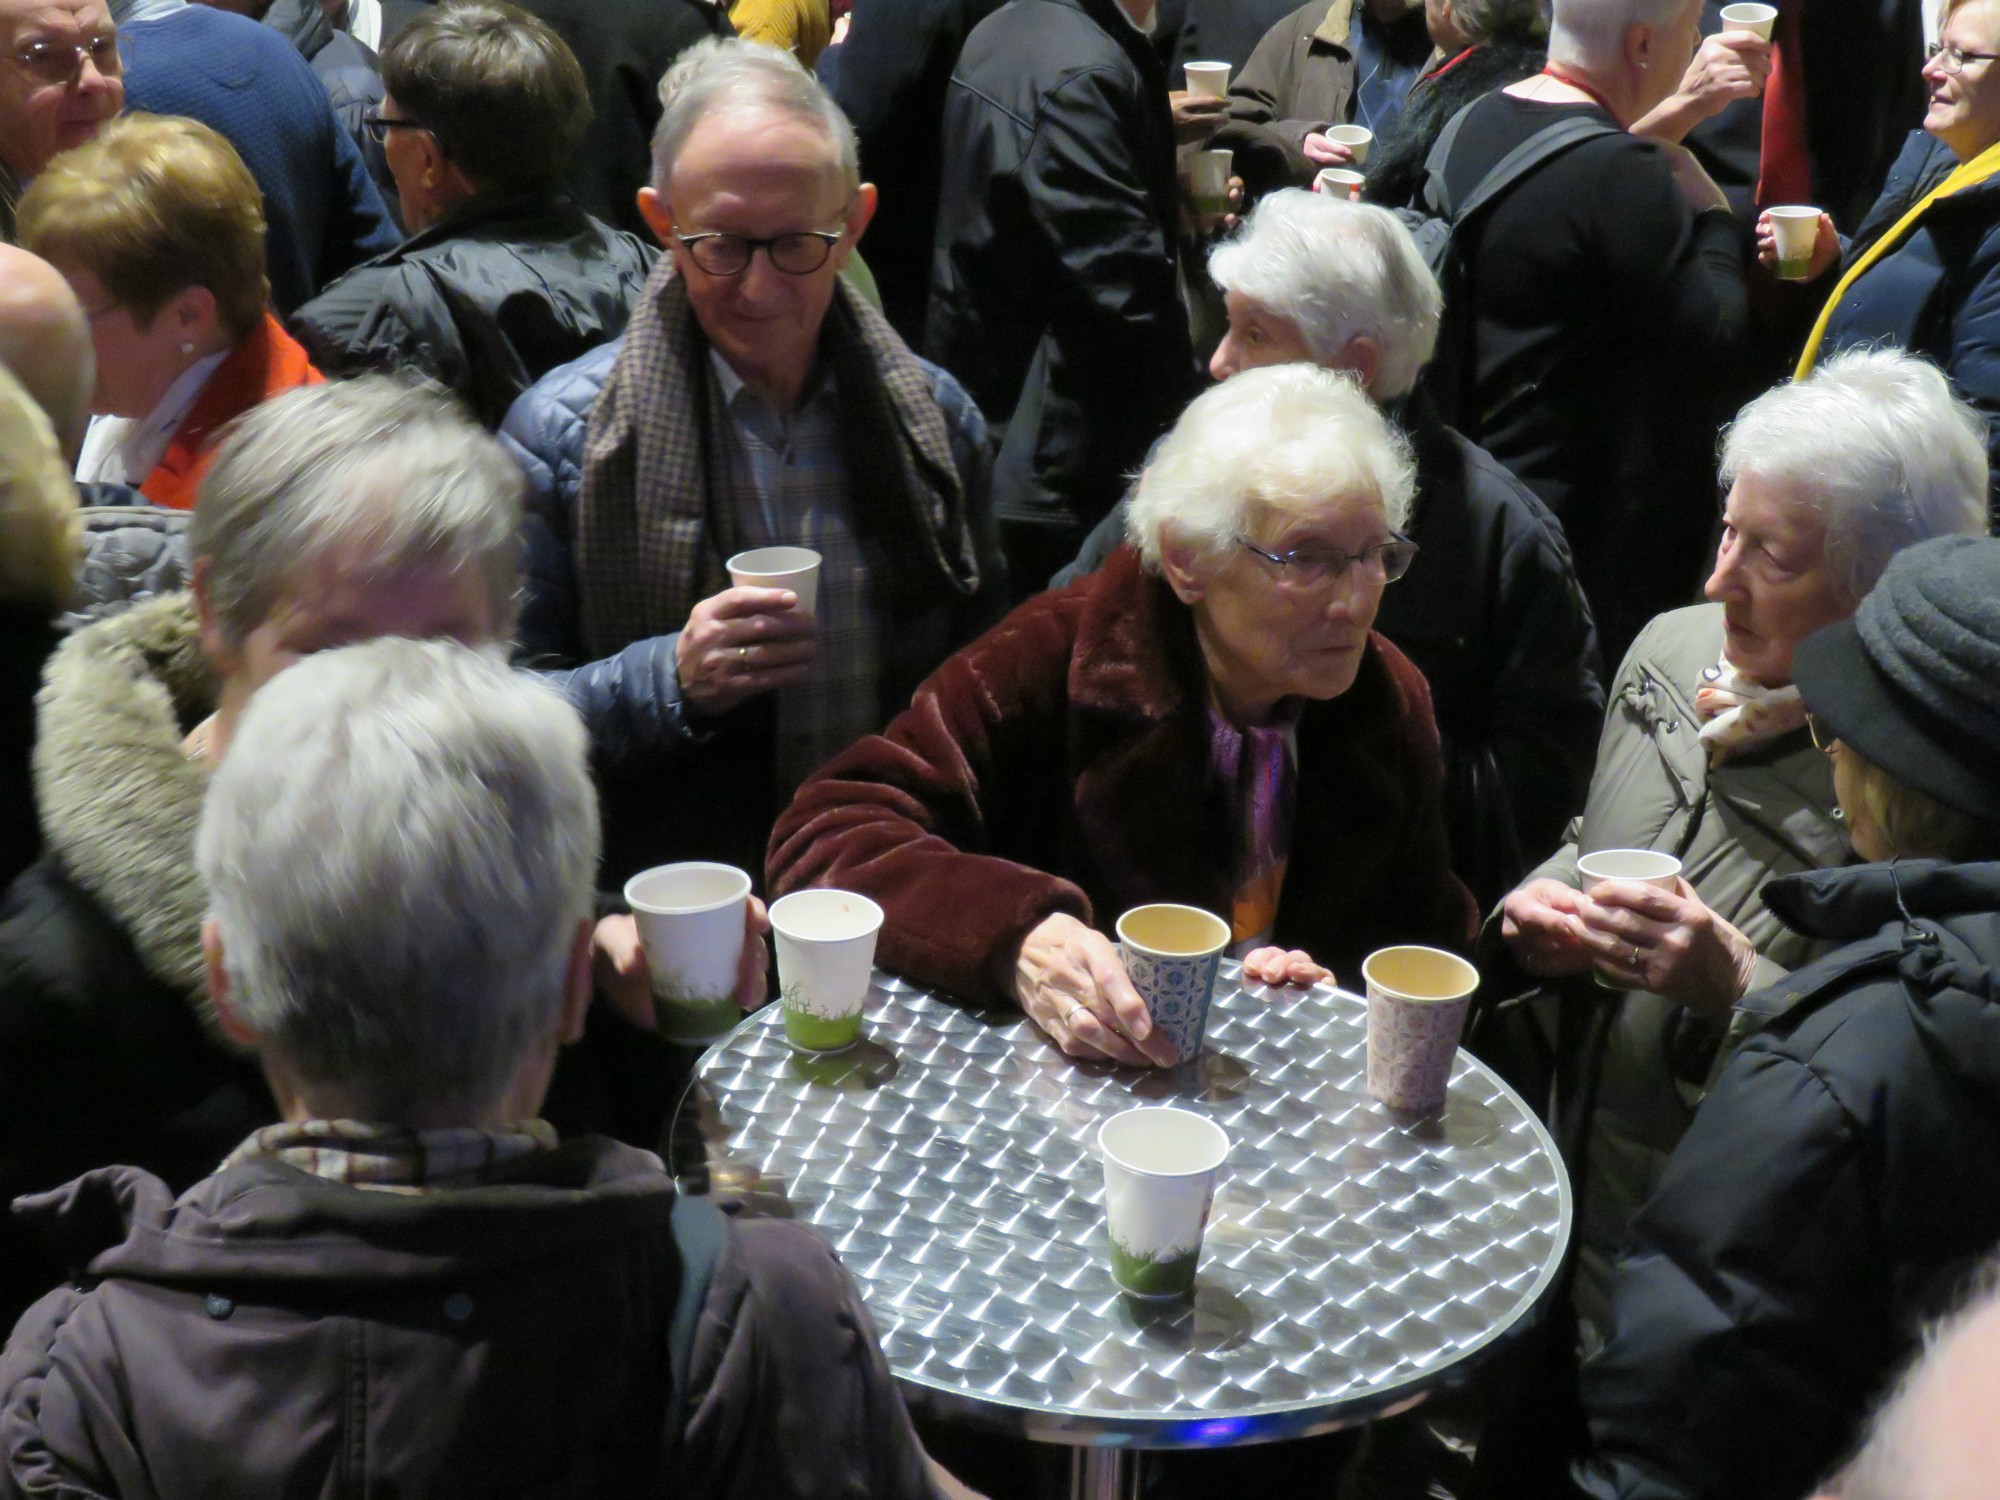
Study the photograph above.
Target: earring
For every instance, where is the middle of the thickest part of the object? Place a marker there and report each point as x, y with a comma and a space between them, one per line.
187, 347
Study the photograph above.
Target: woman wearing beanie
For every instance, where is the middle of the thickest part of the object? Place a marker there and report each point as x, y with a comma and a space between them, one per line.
1839, 1182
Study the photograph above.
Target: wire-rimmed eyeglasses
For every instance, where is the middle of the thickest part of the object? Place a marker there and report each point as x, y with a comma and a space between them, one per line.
1316, 567
61, 63
1955, 58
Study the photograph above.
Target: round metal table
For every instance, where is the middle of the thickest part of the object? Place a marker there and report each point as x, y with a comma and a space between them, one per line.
1355, 1261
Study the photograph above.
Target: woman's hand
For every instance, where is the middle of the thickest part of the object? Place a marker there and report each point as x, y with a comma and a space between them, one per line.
1729, 66
1825, 251
1275, 966
1071, 983
619, 961
1668, 942
1541, 926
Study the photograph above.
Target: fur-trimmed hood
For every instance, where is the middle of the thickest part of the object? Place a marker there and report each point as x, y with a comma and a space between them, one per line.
119, 799
41, 533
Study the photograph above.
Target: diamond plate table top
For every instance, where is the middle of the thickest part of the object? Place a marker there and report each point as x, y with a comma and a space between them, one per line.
1354, 1260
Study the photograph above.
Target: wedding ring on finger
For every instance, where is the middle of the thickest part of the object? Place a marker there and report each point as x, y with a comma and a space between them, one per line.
1635, 955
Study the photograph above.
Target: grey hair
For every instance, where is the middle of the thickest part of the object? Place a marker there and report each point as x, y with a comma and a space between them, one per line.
375, 468
1591, 33
1501, 20
398, 850
1875, 440
731, 73
1337, 270
1285, 438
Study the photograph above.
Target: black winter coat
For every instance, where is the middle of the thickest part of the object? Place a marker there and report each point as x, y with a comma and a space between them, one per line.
1832, 1193
1054, 295
1492, 615
1396, 165
485, 301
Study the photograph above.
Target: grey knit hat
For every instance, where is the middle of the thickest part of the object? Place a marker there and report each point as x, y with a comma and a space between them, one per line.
1912, 682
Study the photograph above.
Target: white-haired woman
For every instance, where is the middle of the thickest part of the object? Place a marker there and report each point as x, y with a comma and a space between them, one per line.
1706, 757
1491, 611
1208, 718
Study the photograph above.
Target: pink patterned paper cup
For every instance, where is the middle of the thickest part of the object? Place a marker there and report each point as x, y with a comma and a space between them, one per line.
1417, 999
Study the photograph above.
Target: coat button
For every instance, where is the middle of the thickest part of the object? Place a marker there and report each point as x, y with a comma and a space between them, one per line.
458, 1307
219, 1306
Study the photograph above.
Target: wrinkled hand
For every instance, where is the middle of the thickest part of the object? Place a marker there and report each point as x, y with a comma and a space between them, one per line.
1541, 925
619, 962
1276, 966
1667, 942
1196, 116
1825, 251
1069, 980
1322, 152
742, 642
1728, 66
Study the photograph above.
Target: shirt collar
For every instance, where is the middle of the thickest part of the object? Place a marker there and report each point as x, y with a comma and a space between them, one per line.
734, 385
1151, 24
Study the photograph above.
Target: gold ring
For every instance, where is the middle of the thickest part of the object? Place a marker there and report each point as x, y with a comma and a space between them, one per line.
742, 653
1635, 955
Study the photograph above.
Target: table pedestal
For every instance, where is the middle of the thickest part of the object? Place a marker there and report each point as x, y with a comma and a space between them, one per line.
1104, 1474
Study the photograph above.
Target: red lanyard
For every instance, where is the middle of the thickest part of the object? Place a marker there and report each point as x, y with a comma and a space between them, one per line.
1443, 68
1552, 71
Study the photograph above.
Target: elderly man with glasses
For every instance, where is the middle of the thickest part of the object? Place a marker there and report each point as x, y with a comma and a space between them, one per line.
59, 81
755, 400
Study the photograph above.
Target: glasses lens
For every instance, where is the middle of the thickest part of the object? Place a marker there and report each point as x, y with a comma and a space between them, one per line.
799, 254
104, 55
719, 254
1396, 558
49, 62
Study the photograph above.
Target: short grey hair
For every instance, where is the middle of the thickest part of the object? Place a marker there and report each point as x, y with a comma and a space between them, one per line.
1877, 443
1337, 270
1591, 33
1285, 438
394, 473
398, 850
1501, 20
731, 73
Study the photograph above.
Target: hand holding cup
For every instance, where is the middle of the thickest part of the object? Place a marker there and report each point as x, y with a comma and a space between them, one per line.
1796, 242
1072, 983
742, 642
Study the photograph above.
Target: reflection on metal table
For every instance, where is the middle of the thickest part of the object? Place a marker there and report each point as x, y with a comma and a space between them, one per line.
1354, 1261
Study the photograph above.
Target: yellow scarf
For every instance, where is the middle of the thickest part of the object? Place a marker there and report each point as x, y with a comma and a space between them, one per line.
1982, 166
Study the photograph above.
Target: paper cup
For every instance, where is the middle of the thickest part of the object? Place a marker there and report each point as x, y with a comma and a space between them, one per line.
1160, 1167
1757, 18
1208, 181
1797, 230
1340, 182
1417, 998
1208, 78
690, 920
1647, 866
1356, 138
794, 568
1171, 954
826, 959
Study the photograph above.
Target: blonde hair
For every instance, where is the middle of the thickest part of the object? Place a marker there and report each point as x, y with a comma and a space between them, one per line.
150, 206
1916, 824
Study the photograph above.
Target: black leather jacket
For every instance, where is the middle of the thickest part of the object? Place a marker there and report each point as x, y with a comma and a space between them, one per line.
486, 301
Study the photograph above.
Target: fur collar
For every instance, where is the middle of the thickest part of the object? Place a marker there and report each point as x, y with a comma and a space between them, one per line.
119, 800
41, 530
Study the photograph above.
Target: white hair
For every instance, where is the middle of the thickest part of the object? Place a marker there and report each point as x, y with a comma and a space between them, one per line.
1286, 438
1875, 440
398, 849
1591, 33
374, 468
731, 73
1337, 270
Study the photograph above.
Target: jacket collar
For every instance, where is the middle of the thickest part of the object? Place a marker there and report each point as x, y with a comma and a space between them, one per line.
265, 361
1136, 653
303, 23
119, 801
518, 217
1337, 24
1857, 901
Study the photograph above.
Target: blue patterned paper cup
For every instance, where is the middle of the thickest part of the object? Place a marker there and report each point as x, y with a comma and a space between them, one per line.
1171, 954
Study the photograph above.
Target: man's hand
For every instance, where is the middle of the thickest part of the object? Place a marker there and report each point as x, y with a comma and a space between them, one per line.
625, 981
1729, 66
1196, 116
1071, 983
1275, 966
742, 642
1668, 942
1323, 153
1541, 925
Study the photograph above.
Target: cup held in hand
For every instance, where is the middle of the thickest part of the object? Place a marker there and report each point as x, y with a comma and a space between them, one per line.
1208, 181
794, 568
690, 919
1796, 229
1646, 866
1171, 955
1757, 18
826, 961
1356, 138
1210, 79
1160, 1169
1417, 999
1340, 182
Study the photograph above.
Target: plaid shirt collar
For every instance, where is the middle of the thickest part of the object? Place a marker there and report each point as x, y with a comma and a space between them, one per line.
394, 1158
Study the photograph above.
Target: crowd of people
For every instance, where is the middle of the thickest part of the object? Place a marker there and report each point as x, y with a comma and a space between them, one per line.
383, 386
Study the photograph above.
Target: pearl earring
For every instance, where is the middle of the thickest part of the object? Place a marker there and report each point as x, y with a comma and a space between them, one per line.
187, 347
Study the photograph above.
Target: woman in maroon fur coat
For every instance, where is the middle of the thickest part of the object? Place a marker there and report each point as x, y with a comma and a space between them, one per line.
1207, 719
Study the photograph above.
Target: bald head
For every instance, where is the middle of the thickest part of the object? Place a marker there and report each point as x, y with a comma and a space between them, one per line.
45, 342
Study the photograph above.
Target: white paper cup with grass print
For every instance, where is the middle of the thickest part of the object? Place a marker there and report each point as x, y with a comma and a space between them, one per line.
1160, 1170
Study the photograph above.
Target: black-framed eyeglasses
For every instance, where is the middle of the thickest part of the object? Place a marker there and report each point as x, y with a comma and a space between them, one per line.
1955, 58
1316, 567
379, 126
61, 63
722, 254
